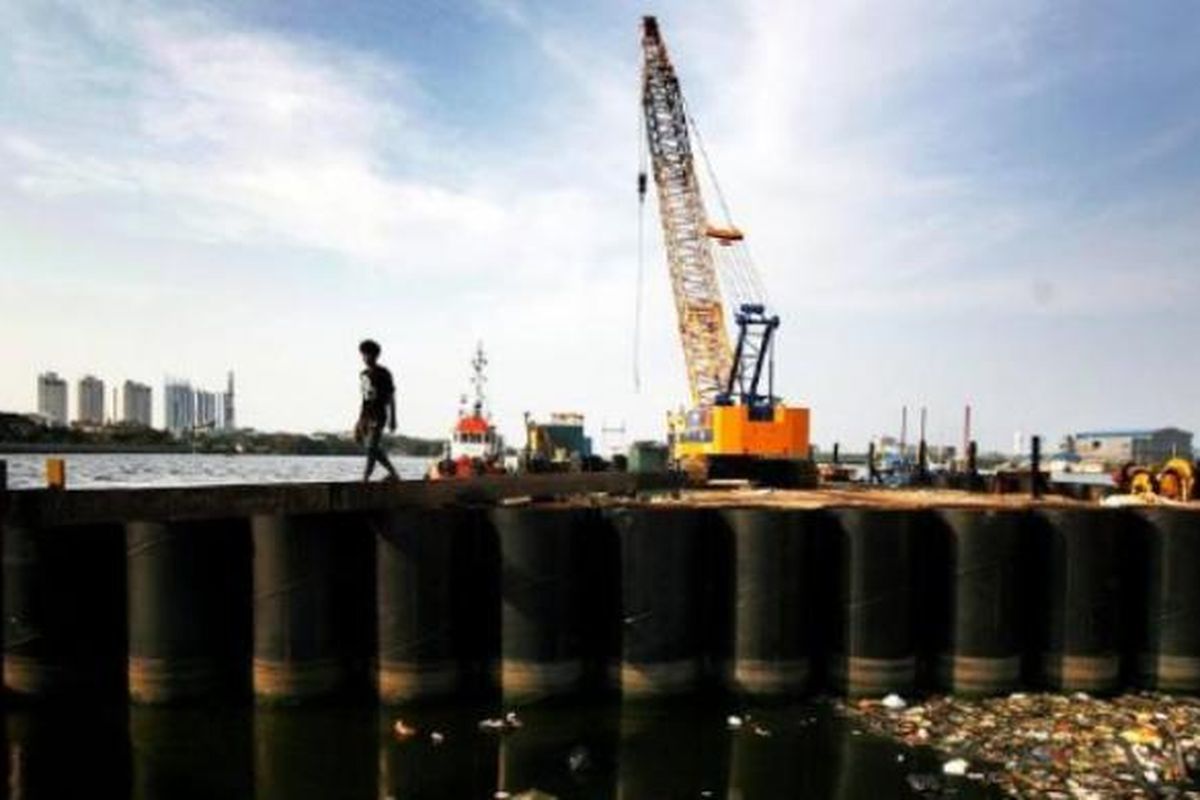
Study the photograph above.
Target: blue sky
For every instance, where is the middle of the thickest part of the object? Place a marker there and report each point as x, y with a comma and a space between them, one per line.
987, 201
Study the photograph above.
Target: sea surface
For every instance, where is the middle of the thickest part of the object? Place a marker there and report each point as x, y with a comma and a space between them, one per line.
660, 752
113, 470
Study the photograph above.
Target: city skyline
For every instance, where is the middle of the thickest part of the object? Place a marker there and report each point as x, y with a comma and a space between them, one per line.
133, 404
994, 203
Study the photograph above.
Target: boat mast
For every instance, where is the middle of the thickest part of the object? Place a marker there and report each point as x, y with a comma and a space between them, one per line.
478, 379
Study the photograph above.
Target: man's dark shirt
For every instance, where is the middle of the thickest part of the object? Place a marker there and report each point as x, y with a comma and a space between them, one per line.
377, 392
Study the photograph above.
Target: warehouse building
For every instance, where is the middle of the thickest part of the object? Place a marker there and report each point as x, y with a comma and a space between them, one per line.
1148, 447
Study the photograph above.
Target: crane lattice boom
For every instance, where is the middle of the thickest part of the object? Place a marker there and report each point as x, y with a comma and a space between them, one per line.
694, 283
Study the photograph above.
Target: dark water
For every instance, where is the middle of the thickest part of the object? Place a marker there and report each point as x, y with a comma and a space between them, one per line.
597, 751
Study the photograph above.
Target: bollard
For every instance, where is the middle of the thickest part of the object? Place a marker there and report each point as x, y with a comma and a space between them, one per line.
775, 598
661, 650
973, 481
64, 611
872, 470
1035, 467
189, 610
871, 646
1075, 595
971, 559
417, 578
313, 606
56, 473
541, 625
1162, 561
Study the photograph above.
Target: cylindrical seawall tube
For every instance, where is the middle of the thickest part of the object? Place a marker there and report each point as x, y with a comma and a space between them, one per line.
64, 611
872, 647
775, 598
417, 578
969, 563
541, 633
662, 644
1161, 559
1076, 596
313, 606
189, 608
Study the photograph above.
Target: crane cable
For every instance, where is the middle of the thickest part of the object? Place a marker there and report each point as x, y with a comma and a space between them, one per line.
746, 283
641, 254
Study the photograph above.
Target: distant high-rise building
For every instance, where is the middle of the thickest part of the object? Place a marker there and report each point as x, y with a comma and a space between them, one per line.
179, 406
90, 408
137, 404
228, 420
52, 398
206, 409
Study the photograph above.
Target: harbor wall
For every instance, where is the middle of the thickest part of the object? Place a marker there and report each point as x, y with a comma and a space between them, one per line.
290, 594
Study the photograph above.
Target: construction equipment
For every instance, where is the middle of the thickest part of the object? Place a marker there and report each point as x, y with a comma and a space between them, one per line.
559, 445
1175, 480
736, 427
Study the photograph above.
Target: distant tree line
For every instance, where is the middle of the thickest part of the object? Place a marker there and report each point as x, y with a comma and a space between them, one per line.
21, 432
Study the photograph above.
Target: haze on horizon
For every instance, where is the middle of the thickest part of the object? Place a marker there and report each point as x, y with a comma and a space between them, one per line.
989, 201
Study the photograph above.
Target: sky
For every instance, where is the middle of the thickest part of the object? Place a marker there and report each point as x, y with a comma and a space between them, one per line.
949, 202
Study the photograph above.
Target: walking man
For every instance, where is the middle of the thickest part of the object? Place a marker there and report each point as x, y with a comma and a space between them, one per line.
378, 409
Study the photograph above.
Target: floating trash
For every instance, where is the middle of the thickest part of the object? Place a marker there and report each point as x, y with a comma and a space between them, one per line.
509, 722
733, 722
1048, 745
956, 767
893, 702
403, 731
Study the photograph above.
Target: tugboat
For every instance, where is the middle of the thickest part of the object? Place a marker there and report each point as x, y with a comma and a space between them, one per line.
475, 447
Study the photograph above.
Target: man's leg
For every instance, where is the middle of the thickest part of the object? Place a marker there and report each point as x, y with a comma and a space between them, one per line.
382, 457
373, 434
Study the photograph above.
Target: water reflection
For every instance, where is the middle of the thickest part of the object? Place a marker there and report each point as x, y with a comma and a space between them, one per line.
315, 753
462, 765
64, 753
664, 750
187, 753
563, 753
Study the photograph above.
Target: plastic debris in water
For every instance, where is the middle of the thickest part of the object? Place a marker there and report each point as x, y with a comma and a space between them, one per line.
733, 722
893, 702
578, 759
436, 738
402, 731
955, 766
1056, 745
923, 783
512, 720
